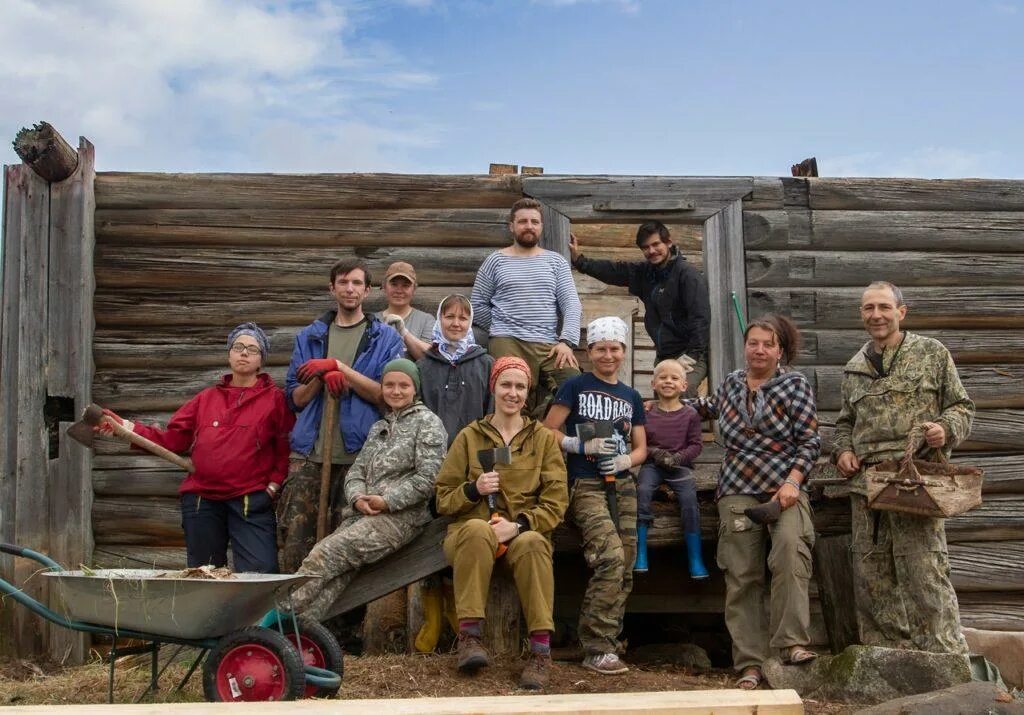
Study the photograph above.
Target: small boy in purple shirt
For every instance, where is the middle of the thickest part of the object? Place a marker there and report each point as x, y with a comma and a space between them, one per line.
673, 443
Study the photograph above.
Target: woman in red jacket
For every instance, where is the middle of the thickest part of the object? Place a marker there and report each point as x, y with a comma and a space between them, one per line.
237, 432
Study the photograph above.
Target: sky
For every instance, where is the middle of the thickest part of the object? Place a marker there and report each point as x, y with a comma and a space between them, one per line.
669, 87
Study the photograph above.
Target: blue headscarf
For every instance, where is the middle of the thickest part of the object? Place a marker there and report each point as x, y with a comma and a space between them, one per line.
254, 331
452, 351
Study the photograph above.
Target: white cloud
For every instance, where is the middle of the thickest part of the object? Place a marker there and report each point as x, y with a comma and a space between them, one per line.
176, 84
930, 162
630, 6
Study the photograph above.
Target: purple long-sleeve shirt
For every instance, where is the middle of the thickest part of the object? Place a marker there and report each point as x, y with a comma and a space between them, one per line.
677, 431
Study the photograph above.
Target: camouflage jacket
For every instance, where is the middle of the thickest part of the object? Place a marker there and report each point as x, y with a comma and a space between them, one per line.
879, 412
400, 460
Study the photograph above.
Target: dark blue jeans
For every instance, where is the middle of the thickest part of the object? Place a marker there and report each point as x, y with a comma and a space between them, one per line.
246, 522
683, 484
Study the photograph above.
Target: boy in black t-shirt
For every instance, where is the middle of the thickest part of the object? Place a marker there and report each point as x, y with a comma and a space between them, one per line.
608, 548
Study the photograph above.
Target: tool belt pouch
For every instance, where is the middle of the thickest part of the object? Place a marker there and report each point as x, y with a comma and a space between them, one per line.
914, 486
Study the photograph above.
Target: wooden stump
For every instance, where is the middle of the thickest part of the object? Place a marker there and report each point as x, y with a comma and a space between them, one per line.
833, 569
502, 624
384, 626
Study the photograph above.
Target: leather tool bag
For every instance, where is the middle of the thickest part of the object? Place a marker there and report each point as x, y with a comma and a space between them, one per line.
914, 486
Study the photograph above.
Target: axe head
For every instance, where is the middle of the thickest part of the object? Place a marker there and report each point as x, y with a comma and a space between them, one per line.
81, 431
587, 431
489, 458
767, 513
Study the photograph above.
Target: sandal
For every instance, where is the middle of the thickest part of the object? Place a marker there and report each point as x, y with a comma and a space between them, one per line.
750, 679
798, 655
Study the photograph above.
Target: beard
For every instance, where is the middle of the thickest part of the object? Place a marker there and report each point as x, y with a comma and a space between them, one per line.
526, 239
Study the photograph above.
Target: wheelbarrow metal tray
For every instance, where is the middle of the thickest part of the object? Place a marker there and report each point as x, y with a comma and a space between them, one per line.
189, 608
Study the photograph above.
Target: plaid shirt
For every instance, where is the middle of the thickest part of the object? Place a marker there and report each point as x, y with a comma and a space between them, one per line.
763, 444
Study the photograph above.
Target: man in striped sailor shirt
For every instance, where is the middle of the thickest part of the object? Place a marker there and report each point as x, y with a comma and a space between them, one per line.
524, 296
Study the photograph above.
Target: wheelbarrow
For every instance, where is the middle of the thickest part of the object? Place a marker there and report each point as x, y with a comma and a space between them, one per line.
241, 662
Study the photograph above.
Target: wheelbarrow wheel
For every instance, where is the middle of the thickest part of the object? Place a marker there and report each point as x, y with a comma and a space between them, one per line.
253, 664
318, 647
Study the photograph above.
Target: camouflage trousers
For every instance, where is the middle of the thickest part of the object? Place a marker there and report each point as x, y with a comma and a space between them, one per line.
297, 510
359, 540
901, 581
610, 553
544, 376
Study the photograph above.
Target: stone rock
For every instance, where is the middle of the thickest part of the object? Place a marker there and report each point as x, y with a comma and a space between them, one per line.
869, 675
1003, 648
686, 655
987, 698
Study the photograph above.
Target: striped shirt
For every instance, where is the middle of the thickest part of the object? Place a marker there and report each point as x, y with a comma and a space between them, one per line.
766, 432
525, 297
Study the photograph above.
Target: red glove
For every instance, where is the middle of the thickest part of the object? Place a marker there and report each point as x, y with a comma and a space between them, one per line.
104, 426
336, 383
317, 367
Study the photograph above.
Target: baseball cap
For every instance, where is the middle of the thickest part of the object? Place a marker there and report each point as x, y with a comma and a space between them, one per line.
400, 268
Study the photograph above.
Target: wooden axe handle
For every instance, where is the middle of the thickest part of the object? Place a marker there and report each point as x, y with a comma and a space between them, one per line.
150, 446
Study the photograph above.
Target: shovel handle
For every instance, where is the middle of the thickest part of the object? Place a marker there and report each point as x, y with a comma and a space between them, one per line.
323, 508
149, 445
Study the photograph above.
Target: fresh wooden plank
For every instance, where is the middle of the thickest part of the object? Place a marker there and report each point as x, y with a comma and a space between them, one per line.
575, 196
957, 307
294, 267
24, 357
882, 231
987, 566
123, 190
689, 702
790, 269
916, 194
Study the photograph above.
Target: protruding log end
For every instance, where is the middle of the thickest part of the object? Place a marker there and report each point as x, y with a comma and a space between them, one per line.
46, 151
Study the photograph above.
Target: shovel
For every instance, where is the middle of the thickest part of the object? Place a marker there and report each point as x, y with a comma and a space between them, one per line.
82, 432
587, 431
489, 459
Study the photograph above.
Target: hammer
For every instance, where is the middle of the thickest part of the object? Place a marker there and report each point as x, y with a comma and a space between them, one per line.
604, 429
92, 416
489, 459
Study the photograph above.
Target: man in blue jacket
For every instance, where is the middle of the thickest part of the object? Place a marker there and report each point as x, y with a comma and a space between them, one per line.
344, 350
677, 312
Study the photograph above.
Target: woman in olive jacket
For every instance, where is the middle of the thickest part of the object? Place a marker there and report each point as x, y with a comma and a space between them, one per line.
516, 506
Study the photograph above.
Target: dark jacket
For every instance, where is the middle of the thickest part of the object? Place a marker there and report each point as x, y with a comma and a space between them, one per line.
238, 438
456, 393
380, 345
677, 312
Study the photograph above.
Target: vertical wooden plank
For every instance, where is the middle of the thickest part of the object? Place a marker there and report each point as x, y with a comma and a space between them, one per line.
24, 463
725, 268
70, 328
556, 230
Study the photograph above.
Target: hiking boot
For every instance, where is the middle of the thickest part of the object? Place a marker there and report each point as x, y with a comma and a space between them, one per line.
472, 654
605, 664
535, 674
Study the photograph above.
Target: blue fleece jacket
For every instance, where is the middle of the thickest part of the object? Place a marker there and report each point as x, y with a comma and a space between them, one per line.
380, 345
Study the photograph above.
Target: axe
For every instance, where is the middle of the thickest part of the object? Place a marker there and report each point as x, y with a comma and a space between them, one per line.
587, 431
92, 416
489, 459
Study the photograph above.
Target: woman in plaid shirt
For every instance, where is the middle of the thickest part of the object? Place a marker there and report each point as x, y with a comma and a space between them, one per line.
769, 427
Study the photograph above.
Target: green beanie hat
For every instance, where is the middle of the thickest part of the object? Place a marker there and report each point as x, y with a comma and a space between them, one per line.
404, 365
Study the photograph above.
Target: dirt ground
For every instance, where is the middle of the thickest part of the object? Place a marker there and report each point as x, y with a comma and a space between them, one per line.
392, 676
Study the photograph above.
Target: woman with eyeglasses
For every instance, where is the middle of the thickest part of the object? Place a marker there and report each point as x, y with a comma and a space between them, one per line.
237, 433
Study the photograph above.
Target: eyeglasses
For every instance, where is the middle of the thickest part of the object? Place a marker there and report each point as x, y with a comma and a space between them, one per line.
242, 349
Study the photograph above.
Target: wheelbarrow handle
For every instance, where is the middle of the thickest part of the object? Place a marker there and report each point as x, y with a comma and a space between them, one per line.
24, 553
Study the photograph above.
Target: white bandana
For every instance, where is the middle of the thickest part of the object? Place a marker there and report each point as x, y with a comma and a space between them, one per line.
608, 328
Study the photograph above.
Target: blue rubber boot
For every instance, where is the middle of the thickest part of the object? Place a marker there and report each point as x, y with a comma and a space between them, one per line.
697, 568
641, 549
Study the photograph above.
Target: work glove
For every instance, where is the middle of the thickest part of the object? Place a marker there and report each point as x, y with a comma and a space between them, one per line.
317, 367
336, 383
600, 446
665, 458
613, 464
396, 322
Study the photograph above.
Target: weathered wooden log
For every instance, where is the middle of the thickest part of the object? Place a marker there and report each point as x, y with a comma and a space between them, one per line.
833, 572
135, 190
881, 231
119, 389
796, 268
503, 624
688, 238
999, 518
957, 307
987, 565
139, 521
292, 267
46, 151
125, 556
192, 347
385, 625
998, 429
992, 611
916, 194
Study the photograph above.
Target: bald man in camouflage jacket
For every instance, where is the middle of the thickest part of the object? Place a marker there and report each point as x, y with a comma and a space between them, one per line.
896, 382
